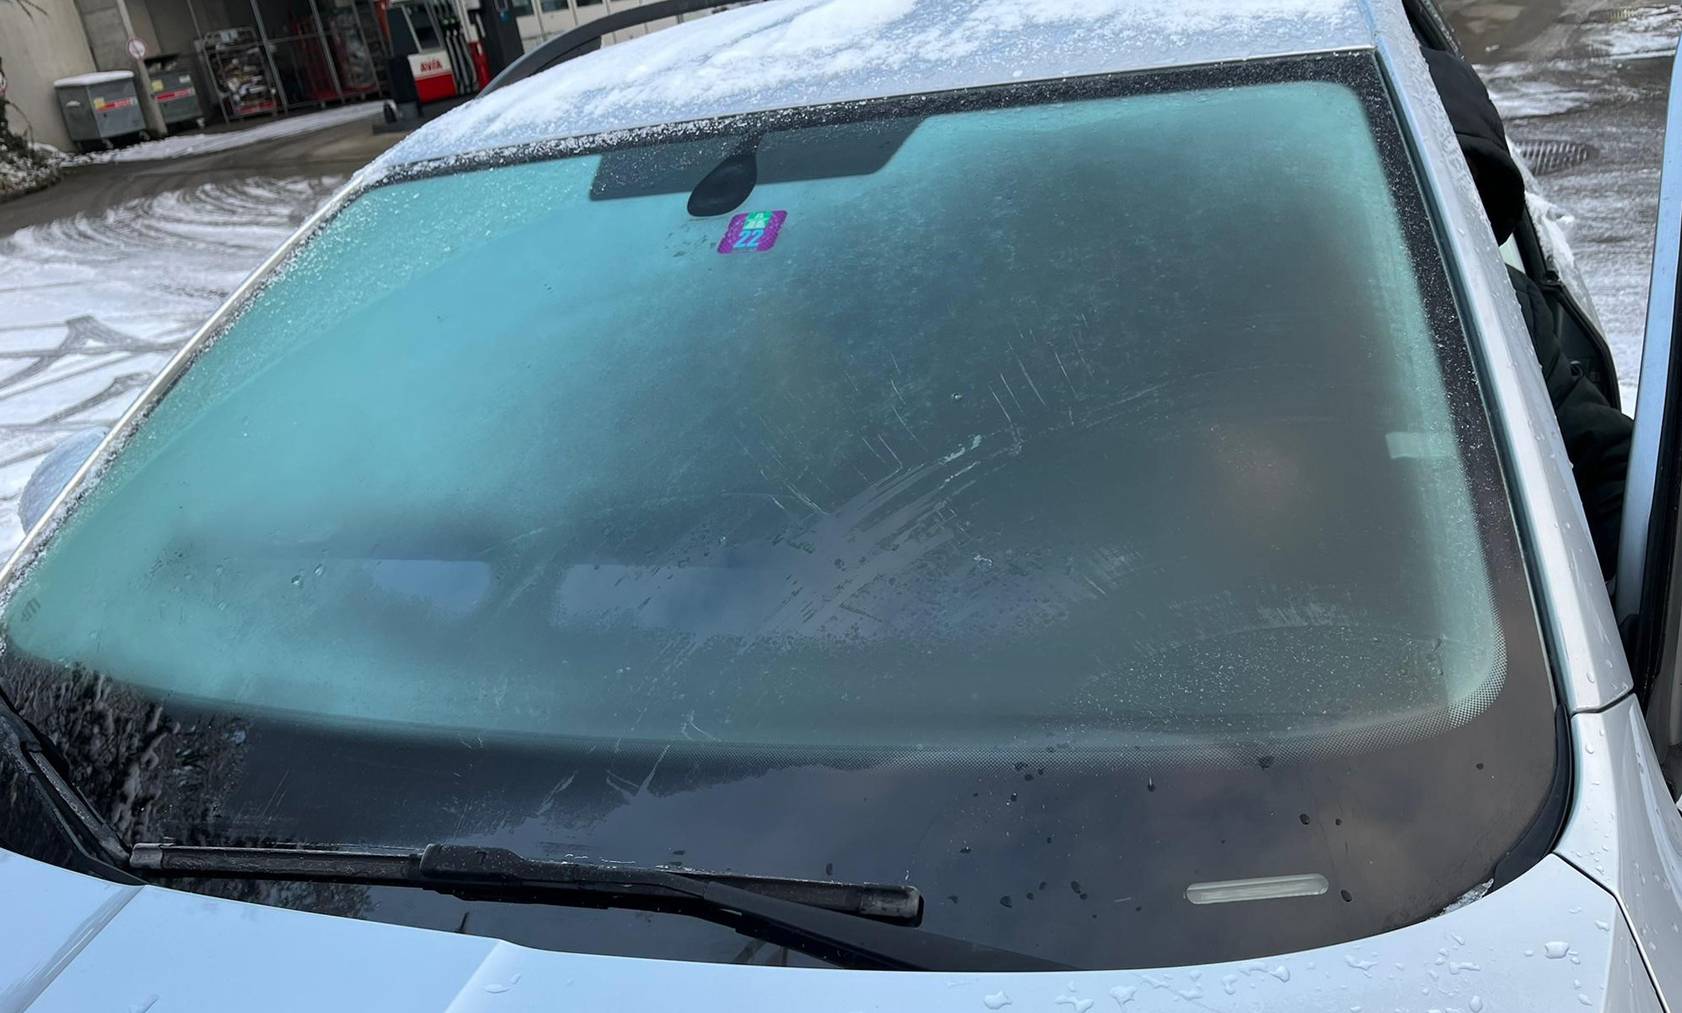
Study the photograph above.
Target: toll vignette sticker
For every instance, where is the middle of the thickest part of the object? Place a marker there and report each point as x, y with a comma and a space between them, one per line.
754, 232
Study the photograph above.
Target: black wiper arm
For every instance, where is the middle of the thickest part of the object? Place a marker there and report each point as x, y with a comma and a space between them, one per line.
845, 922
479, 870
96, 847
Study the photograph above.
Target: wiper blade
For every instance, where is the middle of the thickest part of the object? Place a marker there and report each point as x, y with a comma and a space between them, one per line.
857, 924
96, 847
480, 869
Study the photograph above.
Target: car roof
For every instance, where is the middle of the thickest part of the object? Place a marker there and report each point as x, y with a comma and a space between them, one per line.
784, 54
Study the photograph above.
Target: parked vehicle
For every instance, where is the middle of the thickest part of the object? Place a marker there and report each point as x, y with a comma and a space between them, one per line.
1054, 501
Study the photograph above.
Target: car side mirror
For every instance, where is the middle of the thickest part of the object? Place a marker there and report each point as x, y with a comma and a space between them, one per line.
54, 472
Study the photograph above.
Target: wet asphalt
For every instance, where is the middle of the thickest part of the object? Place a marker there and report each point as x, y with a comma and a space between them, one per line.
335, 152
1583, 86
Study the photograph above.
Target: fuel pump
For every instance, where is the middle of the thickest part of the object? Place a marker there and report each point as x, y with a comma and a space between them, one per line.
435, 54
499, 31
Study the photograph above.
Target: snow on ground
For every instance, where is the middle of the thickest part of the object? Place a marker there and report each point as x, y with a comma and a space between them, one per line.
96, 304
1637, 31
1586, 105
24, 169
1521, 90
183, 145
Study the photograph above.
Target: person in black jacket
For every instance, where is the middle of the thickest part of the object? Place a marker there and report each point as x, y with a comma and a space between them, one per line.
1597, 435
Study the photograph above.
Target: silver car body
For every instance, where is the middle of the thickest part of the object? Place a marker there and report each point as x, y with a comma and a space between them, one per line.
1597, 924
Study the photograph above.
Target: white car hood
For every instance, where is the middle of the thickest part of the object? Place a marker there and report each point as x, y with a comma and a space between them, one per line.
71, 944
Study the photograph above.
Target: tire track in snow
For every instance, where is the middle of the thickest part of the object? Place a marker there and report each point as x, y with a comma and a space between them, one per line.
150, 270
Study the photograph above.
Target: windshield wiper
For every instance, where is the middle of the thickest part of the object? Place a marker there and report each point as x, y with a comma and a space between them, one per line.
95, 847
856, 924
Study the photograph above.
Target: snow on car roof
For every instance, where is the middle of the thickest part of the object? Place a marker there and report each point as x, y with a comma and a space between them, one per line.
788, 53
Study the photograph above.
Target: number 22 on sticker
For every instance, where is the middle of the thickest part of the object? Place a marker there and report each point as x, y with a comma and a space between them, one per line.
754, 232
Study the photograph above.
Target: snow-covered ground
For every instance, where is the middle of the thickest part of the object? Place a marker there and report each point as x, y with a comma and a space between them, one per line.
94, 305
182, 145
1638, 31
1584, 100
25, 168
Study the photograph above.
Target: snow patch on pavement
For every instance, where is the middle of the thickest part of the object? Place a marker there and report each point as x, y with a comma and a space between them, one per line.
1636, 33
184, 145
151, 270
1521, 90
26, 168
1569, 83
1589, 82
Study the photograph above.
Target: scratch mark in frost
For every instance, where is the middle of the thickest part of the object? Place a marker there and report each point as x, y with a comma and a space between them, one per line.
908, 430
1011, 392
1031, 385
899, 465
689, 723
1056, 355
651, 770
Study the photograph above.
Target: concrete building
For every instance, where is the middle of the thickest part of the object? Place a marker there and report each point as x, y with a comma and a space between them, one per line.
253, 57
40, 43
245, 57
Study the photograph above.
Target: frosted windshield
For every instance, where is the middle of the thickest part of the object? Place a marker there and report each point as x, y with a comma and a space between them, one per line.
1112, 420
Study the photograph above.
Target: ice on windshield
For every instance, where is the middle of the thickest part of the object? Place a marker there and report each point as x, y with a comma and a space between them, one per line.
1108, 420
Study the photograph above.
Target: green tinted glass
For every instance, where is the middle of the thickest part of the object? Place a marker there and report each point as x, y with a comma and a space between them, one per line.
1117, 418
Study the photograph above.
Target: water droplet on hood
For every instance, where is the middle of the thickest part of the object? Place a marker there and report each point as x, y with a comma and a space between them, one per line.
1556, 949
995, 1000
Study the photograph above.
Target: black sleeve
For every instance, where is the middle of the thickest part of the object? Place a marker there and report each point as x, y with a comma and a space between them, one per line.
1596, 434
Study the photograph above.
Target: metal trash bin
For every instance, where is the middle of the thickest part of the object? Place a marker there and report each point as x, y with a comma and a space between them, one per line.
99, 107
172, 89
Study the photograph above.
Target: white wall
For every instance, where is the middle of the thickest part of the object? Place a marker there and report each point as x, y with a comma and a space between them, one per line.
39, 48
